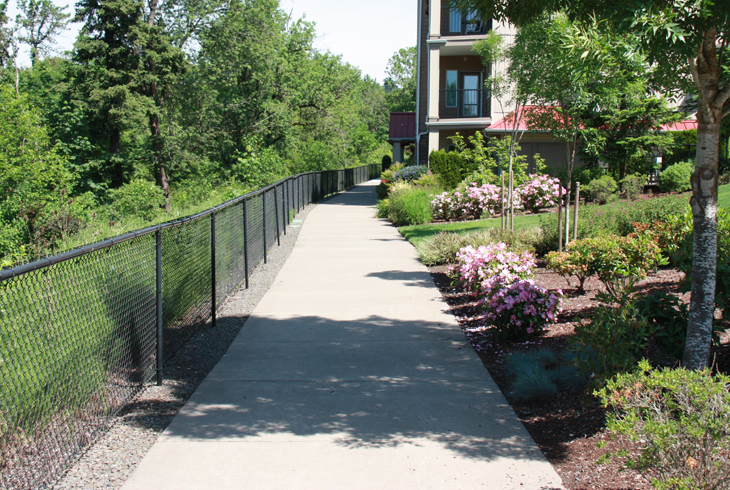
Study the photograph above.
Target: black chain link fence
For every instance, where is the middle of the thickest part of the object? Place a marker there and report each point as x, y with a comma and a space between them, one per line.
82, 332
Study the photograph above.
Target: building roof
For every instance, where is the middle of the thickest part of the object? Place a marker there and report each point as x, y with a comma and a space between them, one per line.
681, 126
402, 127
504, 125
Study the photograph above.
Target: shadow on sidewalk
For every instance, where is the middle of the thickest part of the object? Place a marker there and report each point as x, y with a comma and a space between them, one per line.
370, 382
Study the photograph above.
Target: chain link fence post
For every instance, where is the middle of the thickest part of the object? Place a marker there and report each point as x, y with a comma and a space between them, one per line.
245, 241
263, 222
212, 269
276, 214
158, 280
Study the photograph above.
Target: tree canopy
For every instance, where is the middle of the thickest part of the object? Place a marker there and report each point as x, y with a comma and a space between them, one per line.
684, 42
193, 96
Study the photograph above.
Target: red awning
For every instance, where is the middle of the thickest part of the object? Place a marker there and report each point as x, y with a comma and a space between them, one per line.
505, 124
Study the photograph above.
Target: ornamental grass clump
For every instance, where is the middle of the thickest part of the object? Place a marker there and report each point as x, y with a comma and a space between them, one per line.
502, 281
540, 192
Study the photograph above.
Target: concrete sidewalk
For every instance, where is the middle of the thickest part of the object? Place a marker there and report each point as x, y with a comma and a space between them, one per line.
348, 375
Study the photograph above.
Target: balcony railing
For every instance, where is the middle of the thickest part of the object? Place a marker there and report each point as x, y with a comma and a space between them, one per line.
457, 23
457, 103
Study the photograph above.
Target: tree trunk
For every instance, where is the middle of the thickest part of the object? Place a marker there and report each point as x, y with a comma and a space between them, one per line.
511, 191
153, 12
114, 141
706, 73
163, 180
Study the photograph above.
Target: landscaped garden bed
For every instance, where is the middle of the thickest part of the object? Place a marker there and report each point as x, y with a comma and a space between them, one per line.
570, 427
584, 335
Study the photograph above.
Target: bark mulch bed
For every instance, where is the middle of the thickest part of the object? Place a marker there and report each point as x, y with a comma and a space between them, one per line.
569, 428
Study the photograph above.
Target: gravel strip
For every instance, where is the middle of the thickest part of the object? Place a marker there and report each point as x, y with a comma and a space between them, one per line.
111, 460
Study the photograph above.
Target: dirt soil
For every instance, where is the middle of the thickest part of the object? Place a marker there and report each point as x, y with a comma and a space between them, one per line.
569, 428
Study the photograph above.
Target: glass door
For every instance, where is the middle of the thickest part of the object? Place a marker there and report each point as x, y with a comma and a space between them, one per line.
470, 83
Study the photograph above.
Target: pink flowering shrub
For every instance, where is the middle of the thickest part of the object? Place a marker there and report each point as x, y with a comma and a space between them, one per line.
539, 192
502, 280
521, 309
467, 202
488, 264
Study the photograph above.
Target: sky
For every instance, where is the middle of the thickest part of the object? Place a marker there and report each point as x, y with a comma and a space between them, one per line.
365, 33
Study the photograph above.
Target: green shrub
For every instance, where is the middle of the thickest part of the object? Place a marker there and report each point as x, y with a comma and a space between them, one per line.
620, 262
662, 209
668, 317
596, 221
429, 179
481, 177
410, 206
676, 178
382, 190
586, 175
611, 342
668, 234
680, 418
576, 261
633, 186
386, 161
382, 208
138, 198
388, 174
601, 190
449, 167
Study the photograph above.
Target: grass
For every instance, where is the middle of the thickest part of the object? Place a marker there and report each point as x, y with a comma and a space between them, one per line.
723, 196
416, 234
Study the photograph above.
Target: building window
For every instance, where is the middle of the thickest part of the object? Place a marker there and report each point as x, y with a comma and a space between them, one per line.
454, 20
471, 94
473, 23
451, 86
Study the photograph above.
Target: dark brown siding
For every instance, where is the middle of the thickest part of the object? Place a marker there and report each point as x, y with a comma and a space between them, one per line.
459, 63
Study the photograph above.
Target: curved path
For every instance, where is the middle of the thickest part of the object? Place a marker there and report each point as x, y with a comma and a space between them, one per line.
350, 375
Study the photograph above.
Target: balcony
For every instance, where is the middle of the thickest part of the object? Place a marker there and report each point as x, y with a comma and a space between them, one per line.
463, 103
457, 23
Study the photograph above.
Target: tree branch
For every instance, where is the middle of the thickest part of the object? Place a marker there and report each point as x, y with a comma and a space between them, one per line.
704, 104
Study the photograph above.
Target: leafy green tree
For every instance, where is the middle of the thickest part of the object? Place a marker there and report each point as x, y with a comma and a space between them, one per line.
6, 35
400, 84
125, 66
32, 174
684, 41
504, 89
41, 22
108, 71
557, 87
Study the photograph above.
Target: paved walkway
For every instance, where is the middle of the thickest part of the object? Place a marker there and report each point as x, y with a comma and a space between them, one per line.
348, 375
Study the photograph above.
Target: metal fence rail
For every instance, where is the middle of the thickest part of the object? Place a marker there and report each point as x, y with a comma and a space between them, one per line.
82, 332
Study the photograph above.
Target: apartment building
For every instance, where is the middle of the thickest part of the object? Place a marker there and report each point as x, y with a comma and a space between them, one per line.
451, 96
